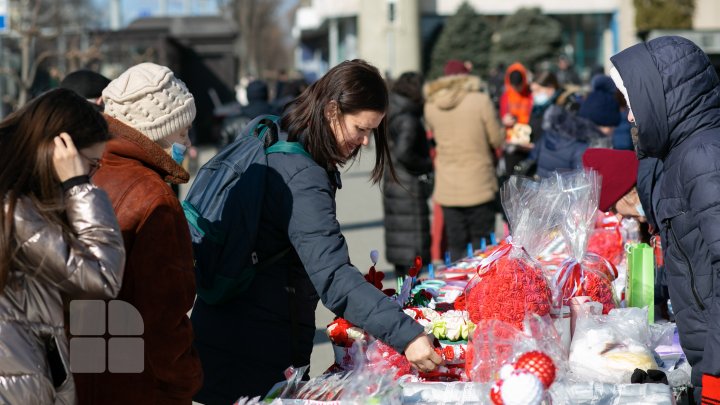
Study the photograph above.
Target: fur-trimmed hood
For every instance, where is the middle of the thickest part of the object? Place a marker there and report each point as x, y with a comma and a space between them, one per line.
131, 143
448, 91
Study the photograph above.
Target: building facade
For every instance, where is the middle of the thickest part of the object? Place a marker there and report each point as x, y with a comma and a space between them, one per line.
397, 35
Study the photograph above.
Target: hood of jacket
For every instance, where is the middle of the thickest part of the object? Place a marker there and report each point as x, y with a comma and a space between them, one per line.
673, 92
566, 125
517, 67
402, 105
448, 91
130, 143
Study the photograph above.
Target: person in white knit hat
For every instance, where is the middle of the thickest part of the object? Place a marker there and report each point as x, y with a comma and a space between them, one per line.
149, 112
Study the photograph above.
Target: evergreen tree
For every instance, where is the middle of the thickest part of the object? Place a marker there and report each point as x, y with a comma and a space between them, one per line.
528, 37
663, 14
466, 36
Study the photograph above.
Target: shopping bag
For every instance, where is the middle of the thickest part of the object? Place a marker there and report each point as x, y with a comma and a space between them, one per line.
641, 278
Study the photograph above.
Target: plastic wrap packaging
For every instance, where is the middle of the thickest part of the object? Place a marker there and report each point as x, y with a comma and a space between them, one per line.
608, 348
490, 347
367, 383
495, 343
582, 274
510, 283
594, 393
606, 240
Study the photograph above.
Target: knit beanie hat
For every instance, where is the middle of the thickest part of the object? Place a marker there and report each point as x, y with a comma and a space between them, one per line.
601, 106
455, 67
618, 169
149, 98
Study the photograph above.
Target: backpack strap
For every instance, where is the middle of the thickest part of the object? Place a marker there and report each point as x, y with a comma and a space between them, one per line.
294, 148
202, 225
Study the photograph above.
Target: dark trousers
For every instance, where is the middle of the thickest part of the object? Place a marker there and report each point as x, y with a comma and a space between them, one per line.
465, 225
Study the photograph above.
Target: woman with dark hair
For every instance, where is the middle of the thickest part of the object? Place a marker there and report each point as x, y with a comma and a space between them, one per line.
407, 223
58, 239
247, 343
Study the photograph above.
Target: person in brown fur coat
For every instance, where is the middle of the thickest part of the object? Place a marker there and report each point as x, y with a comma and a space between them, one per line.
149, 112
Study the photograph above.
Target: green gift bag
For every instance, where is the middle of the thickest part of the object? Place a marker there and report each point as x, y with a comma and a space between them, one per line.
641, 278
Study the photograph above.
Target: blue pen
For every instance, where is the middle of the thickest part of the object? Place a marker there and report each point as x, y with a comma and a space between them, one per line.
493, 239
431, 271
470, 250
447, 258
483, 245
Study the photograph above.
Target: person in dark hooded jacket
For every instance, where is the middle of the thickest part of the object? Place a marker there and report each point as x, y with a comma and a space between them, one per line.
672, 91
407, 216
258, 100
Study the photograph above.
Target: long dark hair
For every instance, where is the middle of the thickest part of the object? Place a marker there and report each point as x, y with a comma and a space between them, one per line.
355, 86
409, 85
27, 169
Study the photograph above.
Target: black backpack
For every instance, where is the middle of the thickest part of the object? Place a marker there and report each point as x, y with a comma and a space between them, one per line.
223, 208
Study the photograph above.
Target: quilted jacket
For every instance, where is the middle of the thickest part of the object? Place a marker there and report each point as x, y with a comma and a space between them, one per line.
673, 93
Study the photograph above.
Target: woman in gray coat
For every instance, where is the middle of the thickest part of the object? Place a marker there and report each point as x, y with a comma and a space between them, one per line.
58, 239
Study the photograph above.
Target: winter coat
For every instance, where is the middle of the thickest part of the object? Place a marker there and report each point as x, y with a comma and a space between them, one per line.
673, 93
31, 307
407, 216
466, 130
564, 140
246, 344
159, 276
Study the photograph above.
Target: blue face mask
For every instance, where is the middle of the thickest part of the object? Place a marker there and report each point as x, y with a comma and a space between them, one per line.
541, 99
640, 210
178, 152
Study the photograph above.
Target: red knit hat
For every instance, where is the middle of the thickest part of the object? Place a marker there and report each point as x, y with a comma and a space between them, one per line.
455, 67
618, 169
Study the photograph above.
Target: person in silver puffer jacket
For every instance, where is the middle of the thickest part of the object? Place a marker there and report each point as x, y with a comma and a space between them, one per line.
59, 241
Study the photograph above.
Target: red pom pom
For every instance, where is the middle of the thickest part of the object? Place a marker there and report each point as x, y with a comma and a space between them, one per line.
495, 396
540, 364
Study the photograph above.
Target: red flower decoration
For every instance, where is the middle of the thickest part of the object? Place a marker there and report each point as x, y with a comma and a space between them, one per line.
375, 278
459, 303
508, 288
607, 243
448, 353
586, 279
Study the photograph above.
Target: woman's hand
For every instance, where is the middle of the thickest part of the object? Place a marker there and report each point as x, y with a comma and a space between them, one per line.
421, 354
66, 159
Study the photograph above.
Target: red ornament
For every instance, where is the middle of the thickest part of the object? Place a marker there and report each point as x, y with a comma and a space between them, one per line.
540, 364
415, 269
495, 396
